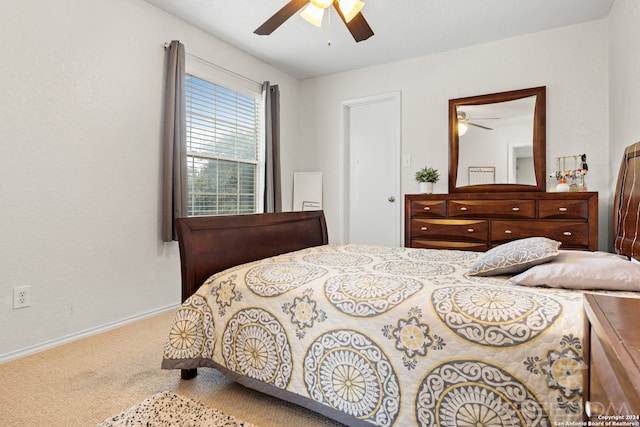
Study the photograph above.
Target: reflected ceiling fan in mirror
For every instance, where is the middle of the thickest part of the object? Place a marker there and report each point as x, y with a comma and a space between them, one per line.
348, 10
464, 123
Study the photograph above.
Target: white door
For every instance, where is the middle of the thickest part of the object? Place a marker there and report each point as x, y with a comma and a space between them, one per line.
372, 213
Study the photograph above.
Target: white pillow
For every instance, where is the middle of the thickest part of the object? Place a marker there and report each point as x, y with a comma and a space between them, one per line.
584, 270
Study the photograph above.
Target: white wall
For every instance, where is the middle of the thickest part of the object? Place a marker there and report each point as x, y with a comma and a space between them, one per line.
624, 84
80, 162
571, 62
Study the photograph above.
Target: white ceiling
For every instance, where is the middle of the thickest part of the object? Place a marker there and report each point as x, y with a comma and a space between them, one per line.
403, 28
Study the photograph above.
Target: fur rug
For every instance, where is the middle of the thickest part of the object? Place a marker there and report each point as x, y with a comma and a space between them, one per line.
170, 409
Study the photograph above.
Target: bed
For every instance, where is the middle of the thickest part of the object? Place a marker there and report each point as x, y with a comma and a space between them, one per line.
370, 335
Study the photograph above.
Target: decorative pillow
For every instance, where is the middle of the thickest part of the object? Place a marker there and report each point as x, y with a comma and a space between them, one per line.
584, 270
515, 256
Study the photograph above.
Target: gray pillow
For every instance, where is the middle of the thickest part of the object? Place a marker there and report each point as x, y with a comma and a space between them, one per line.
515, 257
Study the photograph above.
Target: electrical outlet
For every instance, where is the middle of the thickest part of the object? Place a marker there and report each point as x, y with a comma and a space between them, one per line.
21, 297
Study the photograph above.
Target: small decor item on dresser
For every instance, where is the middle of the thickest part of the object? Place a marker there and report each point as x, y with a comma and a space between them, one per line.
562, 186
427, 176
575, 176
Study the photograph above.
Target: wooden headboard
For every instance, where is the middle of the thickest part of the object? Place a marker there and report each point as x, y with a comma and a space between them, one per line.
210, 244
626, 209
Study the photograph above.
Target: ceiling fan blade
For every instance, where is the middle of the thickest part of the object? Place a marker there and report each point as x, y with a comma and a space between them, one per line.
358, 26
278, 18
479, 126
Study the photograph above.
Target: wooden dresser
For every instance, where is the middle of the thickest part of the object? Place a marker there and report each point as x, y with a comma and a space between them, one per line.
613, 355
481, 221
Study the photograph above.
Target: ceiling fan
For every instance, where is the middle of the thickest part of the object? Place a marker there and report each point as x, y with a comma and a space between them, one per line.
464, 122
462, 117
348, 10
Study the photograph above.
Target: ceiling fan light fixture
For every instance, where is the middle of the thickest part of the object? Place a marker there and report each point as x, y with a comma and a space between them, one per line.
463, 127
350, 8
313, 14
322, 4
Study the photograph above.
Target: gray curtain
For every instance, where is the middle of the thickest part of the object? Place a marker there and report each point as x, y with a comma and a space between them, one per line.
273, 186
174, 191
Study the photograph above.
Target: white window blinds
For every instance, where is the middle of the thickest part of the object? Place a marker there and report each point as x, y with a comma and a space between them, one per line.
223, 143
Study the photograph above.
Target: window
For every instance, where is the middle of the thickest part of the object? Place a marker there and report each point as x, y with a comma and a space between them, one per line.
224, 149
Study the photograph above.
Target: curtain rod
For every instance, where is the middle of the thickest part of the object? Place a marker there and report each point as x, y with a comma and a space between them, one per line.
216, 66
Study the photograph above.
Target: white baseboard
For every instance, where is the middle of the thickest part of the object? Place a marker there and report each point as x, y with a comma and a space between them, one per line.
82, 334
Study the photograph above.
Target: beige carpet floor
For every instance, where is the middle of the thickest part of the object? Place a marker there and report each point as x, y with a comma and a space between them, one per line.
84, 382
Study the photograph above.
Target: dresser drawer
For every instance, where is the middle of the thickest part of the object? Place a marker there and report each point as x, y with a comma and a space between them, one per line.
569, 209
445, 244
570, 233
474, 230
492, 208
429, 208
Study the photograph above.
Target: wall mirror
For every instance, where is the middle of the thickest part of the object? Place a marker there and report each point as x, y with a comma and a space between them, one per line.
497, 142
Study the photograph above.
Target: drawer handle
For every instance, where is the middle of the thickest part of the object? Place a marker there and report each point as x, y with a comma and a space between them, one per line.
515, 209
508, 231
464, 209
470, 230
427, 208
424, 228
566, 233
563, 209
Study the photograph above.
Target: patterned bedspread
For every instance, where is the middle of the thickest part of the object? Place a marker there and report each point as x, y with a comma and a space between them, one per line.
391, 336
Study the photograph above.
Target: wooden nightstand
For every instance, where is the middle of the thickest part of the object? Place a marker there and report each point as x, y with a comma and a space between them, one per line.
613, 354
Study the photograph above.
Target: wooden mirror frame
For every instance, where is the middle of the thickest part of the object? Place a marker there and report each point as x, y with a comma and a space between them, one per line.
539, 140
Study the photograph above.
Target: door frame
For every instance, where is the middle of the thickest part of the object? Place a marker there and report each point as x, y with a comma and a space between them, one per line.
346, 105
